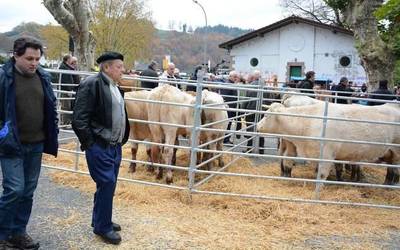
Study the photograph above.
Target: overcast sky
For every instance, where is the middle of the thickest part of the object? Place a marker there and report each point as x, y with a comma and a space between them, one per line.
251, 14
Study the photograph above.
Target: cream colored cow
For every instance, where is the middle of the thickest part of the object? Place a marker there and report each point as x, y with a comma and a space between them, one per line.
302, 126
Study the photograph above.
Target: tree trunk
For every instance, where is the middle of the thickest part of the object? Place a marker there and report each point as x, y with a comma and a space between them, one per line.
377, 57
74, 16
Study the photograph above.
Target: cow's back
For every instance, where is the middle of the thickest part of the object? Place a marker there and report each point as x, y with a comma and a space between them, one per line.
353, 131
169, 113
213, 115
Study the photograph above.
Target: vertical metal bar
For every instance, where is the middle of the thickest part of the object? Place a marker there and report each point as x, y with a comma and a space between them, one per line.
58, 99
238, 120
336, 95
256, 140
77, 148
321, 147
195, 134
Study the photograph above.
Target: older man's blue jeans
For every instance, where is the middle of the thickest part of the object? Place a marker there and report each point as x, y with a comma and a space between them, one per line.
20, 178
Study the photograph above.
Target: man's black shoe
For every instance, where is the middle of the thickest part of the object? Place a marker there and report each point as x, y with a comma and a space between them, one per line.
116, 227
23, 241
5, 245
228, 141
111, 237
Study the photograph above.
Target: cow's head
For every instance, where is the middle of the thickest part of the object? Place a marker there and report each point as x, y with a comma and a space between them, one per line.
269, 124
212, 115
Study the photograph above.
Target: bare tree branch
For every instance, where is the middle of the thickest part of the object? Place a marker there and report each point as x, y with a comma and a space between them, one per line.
317, 10
61, 14
74, 16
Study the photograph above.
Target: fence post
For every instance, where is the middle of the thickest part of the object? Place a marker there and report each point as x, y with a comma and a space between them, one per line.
238, 120
194, 138
77, 148
321, 147
59, 106
260, 94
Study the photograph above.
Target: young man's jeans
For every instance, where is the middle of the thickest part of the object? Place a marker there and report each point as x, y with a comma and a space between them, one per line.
20, 178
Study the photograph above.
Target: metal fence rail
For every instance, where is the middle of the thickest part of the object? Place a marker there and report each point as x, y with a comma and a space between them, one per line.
249, 132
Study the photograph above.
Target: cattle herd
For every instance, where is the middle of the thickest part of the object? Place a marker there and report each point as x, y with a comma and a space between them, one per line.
162, 132
151, 118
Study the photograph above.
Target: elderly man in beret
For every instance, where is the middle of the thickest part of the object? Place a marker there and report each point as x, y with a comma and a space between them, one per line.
101, 124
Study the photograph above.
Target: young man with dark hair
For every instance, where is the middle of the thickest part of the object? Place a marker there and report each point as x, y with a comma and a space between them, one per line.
28, 122
101, 123
308, 84
344, 90
382, 93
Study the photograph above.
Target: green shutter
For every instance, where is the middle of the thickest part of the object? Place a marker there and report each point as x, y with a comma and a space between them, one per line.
295, 71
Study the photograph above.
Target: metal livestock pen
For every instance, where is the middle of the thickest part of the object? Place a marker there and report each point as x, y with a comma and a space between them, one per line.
234, 149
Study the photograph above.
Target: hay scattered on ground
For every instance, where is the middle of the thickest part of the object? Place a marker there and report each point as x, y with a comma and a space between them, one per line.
226, 222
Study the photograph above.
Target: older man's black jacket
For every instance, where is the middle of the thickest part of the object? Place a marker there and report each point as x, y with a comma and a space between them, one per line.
92, 117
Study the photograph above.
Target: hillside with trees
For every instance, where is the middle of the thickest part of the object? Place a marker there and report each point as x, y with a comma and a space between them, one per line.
222, 29
185, 48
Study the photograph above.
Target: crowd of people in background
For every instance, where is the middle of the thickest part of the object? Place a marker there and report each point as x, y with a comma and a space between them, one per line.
341, 93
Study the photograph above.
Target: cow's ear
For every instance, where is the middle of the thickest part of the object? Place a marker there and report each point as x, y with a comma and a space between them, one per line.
285, 97
276, 107
203, 99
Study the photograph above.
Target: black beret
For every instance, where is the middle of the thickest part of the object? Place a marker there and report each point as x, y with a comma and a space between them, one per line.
109, 56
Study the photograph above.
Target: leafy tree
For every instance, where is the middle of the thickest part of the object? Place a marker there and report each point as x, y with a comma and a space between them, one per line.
56, 38
2, 59
6, 43
377, 55
99, 25
389, 25
222, 29
186, 49
122, 25
397, 73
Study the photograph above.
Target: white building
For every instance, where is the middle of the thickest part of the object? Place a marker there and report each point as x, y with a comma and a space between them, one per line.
295, 45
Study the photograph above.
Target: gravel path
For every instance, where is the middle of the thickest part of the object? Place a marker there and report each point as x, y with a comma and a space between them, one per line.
61, 220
